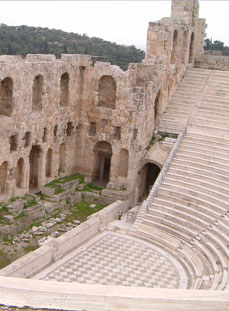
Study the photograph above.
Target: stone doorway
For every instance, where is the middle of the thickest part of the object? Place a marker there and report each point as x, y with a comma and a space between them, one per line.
34, 160
148, 176
102, 163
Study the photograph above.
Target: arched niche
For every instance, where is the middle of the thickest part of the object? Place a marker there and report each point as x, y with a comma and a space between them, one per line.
175, 47
64, 89
48, 170
35, 166
6, 96
191, 48
37, 93
156, 104
107, 92
62, 158
184, 45
123, 163
19, 173
3, 175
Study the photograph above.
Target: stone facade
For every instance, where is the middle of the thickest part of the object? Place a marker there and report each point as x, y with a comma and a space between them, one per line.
71, 115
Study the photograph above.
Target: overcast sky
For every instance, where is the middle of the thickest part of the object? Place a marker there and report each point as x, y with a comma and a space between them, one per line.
123, 22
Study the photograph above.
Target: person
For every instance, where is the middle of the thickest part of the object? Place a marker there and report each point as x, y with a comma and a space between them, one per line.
119, 215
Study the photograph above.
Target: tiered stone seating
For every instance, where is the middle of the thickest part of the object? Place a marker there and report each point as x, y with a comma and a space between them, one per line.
189, 216
177, 113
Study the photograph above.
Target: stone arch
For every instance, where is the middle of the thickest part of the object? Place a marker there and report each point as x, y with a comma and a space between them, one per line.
3, 175
6, 96
35, 166
156, 104
175, 47
102, 162
107, 92
62, 158
123, 162
148, 175
37, 94
184, 45
19, 172
48, 170
191, 48
64, 89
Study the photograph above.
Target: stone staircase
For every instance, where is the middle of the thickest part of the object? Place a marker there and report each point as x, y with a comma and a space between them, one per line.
189, 216
188, 93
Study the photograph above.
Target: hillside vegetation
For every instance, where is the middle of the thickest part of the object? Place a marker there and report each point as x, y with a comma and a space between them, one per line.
216, 46
22, 40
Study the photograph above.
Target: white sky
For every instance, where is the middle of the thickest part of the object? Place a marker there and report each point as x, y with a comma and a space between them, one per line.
123, 22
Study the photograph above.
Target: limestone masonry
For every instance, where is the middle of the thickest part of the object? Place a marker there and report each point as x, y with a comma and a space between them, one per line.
156, 138
71, 115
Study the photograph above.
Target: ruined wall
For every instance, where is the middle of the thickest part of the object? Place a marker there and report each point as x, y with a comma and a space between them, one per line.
217, 62
70, 115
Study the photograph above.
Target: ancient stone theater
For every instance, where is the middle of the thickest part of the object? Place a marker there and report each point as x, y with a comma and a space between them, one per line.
150, 143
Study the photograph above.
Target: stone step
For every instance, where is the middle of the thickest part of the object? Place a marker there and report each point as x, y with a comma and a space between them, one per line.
196, 165
199, 148
199, 193
209, 160
208, 241
216, 258
207, 121
199, 207
167, 211
214, 187
198, 175
201, 199
218, 142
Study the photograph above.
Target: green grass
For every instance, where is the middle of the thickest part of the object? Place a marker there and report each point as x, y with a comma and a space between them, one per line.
30, 248
58, 190
13, 199
30, 203
19, 216
7, 239
151, 143
90, 187
44, 196
35, 224
4, 261
54, 183
82, 210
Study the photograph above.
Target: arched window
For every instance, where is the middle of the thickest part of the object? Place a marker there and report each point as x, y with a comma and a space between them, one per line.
49, 163
37, 93
191, 48
175, 47
107, 92
123, 163
64, 89
3, 174
184, 45
19, 172
6, 96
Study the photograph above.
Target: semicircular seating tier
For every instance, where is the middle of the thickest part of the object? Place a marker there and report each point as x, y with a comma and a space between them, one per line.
189, 216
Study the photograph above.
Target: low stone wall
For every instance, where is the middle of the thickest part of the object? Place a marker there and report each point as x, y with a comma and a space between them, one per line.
72, 296
109, 213
55, 248
213, 62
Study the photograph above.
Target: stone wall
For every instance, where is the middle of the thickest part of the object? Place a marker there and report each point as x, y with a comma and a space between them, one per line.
71, 115
208, 61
